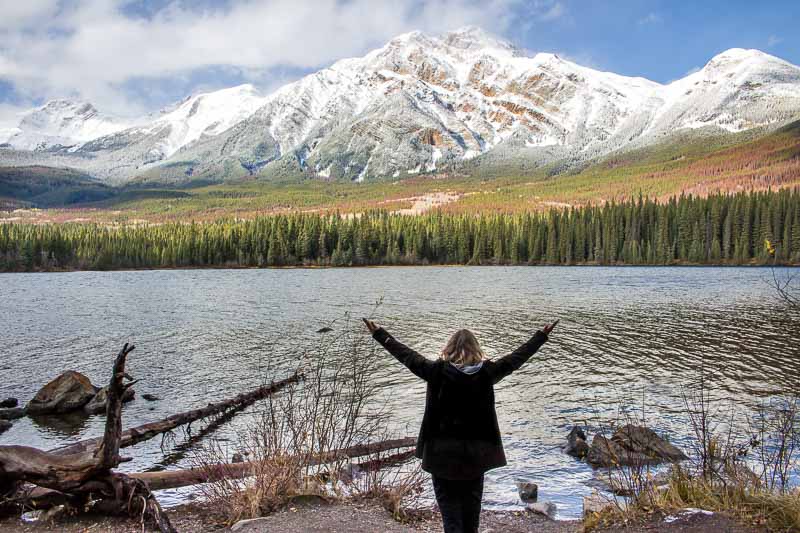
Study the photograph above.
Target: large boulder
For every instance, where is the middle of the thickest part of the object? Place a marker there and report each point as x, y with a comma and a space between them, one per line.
68, 392
630, 446
98, 404
576, 443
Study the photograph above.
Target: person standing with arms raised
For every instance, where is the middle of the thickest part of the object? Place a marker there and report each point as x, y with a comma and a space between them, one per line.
459, 440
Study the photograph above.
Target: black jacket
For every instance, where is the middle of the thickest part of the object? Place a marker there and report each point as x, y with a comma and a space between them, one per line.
459, 437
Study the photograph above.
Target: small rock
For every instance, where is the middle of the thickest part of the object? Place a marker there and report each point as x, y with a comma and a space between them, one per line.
576, 443
98, 404
5, 425
67, 392
528, 491
597, 503
324, 330
53, 514
547, 509
237, 458
12, 413
9, 402
150, 397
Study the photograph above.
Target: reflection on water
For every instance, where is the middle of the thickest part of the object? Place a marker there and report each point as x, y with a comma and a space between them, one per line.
628, 336
61, 426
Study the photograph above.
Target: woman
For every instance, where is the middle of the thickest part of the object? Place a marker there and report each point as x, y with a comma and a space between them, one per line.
459, 440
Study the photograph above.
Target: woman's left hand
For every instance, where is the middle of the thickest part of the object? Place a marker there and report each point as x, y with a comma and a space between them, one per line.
548, 328
371, 326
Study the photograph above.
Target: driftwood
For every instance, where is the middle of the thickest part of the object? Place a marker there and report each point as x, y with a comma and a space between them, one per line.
132, 436
39, 498
82, 472
87, 474
171, 479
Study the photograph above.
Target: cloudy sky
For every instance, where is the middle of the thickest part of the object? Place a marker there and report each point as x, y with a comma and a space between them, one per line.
134, 56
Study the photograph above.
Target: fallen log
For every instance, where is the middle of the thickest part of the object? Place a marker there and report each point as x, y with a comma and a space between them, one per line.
41, 498
171, 479
132, 436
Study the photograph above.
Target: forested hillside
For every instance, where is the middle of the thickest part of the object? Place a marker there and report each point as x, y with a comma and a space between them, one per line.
745, 228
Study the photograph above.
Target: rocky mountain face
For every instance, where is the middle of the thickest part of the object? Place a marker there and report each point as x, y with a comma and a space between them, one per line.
419, 104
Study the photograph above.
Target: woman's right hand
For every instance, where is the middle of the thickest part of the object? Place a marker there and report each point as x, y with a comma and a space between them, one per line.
549, 327
371, 326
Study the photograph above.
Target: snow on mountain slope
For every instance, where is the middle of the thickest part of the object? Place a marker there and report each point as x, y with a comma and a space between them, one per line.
423, 103
206, 114
62, 123
735, 91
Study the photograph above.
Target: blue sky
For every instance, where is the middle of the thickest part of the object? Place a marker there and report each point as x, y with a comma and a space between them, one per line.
135, 56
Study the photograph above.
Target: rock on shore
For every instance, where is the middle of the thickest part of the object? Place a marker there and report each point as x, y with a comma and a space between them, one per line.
632, 445
67, 392
98, 404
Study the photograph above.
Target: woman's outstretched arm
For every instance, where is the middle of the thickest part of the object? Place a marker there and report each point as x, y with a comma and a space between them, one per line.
419, 365
511, 362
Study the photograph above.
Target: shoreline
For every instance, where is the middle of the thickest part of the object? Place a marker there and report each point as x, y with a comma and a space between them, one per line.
430, 265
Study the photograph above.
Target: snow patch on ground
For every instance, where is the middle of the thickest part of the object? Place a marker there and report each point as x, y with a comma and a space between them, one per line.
686, 513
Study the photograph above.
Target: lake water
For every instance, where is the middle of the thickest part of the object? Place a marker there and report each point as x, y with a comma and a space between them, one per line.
627, 336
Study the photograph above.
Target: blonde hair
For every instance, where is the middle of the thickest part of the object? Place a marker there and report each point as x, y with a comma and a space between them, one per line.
463, 349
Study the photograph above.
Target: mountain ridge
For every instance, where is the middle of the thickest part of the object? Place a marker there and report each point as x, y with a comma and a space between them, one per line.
419, 104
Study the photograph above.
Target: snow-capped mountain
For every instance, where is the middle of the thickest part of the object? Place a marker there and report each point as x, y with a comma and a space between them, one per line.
62, 123
419, 104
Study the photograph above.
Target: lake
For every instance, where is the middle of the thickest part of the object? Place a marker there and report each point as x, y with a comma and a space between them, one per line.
628, 337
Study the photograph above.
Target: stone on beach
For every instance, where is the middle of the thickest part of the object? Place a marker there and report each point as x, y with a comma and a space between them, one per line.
68, 392
5, 425
547, 509
576, 443
597, 503
528, 491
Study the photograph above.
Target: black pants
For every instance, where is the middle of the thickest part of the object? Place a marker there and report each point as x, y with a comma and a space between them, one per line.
460, 503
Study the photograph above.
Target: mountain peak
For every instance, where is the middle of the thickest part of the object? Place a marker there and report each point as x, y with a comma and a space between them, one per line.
475, 38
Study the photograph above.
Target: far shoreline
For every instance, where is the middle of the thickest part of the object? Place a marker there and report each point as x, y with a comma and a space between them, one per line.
434, 265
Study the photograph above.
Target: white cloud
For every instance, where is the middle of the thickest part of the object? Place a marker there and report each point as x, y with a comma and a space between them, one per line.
650, 18
17, 14
10, 116
92, 48
773, 40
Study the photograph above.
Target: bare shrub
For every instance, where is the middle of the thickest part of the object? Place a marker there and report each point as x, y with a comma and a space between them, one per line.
787, 289
774, 442
740, 465
294, 442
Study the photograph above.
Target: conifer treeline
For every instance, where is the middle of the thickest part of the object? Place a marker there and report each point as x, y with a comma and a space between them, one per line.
714, 230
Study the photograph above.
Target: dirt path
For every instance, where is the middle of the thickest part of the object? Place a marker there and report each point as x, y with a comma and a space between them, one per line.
368, 517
